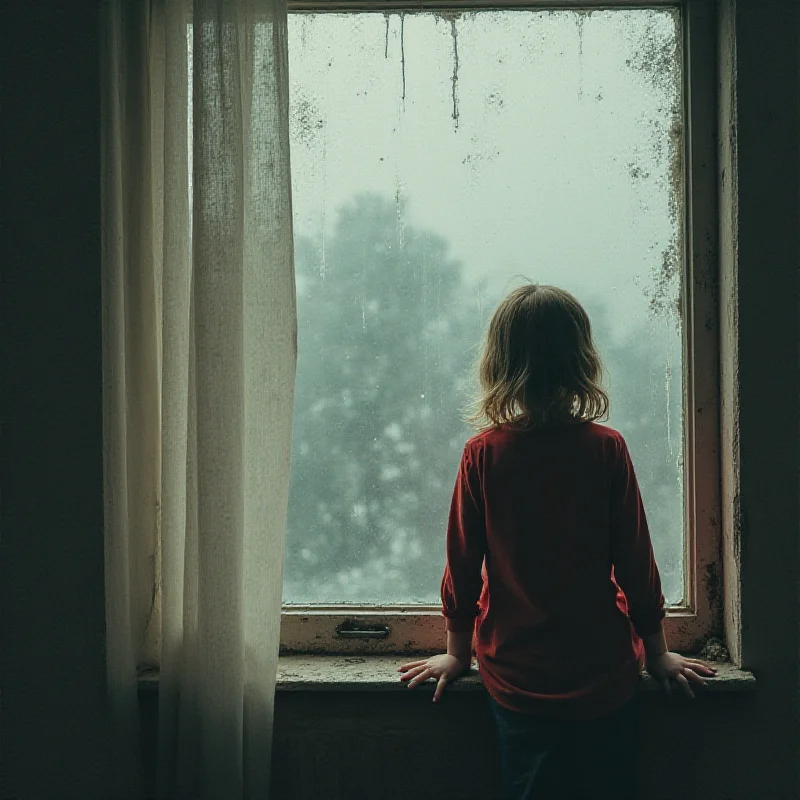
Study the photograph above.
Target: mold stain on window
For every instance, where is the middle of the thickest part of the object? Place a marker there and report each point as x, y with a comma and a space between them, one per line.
656, 57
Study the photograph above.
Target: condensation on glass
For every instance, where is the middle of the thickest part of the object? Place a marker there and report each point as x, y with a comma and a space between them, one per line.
437, 160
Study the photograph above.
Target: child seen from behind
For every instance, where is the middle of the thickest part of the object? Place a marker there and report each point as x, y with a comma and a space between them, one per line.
550, 563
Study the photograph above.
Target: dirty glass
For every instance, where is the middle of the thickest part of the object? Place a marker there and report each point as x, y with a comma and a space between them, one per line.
438, 159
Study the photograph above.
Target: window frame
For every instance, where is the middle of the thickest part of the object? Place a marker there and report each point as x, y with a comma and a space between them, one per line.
414, 629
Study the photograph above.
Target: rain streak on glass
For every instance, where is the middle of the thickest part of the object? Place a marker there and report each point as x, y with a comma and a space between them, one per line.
436, 158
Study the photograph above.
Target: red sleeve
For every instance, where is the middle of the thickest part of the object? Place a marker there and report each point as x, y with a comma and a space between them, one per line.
466, 546
635, 567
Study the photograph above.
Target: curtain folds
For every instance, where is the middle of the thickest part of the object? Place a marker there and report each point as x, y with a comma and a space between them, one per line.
199, 337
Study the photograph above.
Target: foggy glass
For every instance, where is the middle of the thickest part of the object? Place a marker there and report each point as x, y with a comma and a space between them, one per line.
437, 160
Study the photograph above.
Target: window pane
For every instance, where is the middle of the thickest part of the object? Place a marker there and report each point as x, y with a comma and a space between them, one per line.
436, 158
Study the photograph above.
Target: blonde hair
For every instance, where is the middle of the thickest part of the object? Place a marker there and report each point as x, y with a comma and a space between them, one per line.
539, 365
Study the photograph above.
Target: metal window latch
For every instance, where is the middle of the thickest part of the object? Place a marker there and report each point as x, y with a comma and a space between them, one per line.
352, 629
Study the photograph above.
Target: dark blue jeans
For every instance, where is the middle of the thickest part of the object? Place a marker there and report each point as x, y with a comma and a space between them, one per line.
547, 759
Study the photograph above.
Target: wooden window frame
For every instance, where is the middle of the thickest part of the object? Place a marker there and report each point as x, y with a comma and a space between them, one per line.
412, 629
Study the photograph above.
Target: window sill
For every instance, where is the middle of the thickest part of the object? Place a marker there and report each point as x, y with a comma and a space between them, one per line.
379, 673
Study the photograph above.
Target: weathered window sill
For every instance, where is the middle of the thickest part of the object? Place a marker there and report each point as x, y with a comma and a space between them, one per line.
379, 673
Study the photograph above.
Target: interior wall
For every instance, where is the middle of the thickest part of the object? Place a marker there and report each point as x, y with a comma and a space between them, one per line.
396, 745
53, 721
766, 238
400, 745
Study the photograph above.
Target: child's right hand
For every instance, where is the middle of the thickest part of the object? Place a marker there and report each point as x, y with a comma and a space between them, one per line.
672, 666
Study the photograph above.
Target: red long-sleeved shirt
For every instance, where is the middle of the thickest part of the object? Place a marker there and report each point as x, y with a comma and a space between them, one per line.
549, 557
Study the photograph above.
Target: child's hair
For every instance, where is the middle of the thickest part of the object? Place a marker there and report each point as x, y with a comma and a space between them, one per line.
539, 366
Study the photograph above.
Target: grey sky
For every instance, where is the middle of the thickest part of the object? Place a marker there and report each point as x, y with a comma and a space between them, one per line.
557, 166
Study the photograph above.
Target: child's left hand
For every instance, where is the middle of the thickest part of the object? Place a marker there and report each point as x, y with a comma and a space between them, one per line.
443, 669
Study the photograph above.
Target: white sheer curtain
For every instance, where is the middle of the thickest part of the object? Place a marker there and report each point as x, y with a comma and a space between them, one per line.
199, 333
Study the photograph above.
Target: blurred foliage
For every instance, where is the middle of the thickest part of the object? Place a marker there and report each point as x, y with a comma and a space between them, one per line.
388, 330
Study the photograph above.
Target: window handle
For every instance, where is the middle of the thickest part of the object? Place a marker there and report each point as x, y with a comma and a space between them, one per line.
357, 630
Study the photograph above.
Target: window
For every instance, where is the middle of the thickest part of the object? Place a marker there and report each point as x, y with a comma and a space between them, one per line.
437, 156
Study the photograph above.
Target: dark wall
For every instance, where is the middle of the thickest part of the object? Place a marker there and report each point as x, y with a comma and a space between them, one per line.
51, 547
51, 539
396, 745
399, 745
768, 237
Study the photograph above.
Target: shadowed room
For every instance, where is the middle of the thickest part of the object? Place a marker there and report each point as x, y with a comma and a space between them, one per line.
249, 257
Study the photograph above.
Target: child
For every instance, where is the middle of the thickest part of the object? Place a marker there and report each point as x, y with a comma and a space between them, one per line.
549, 562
